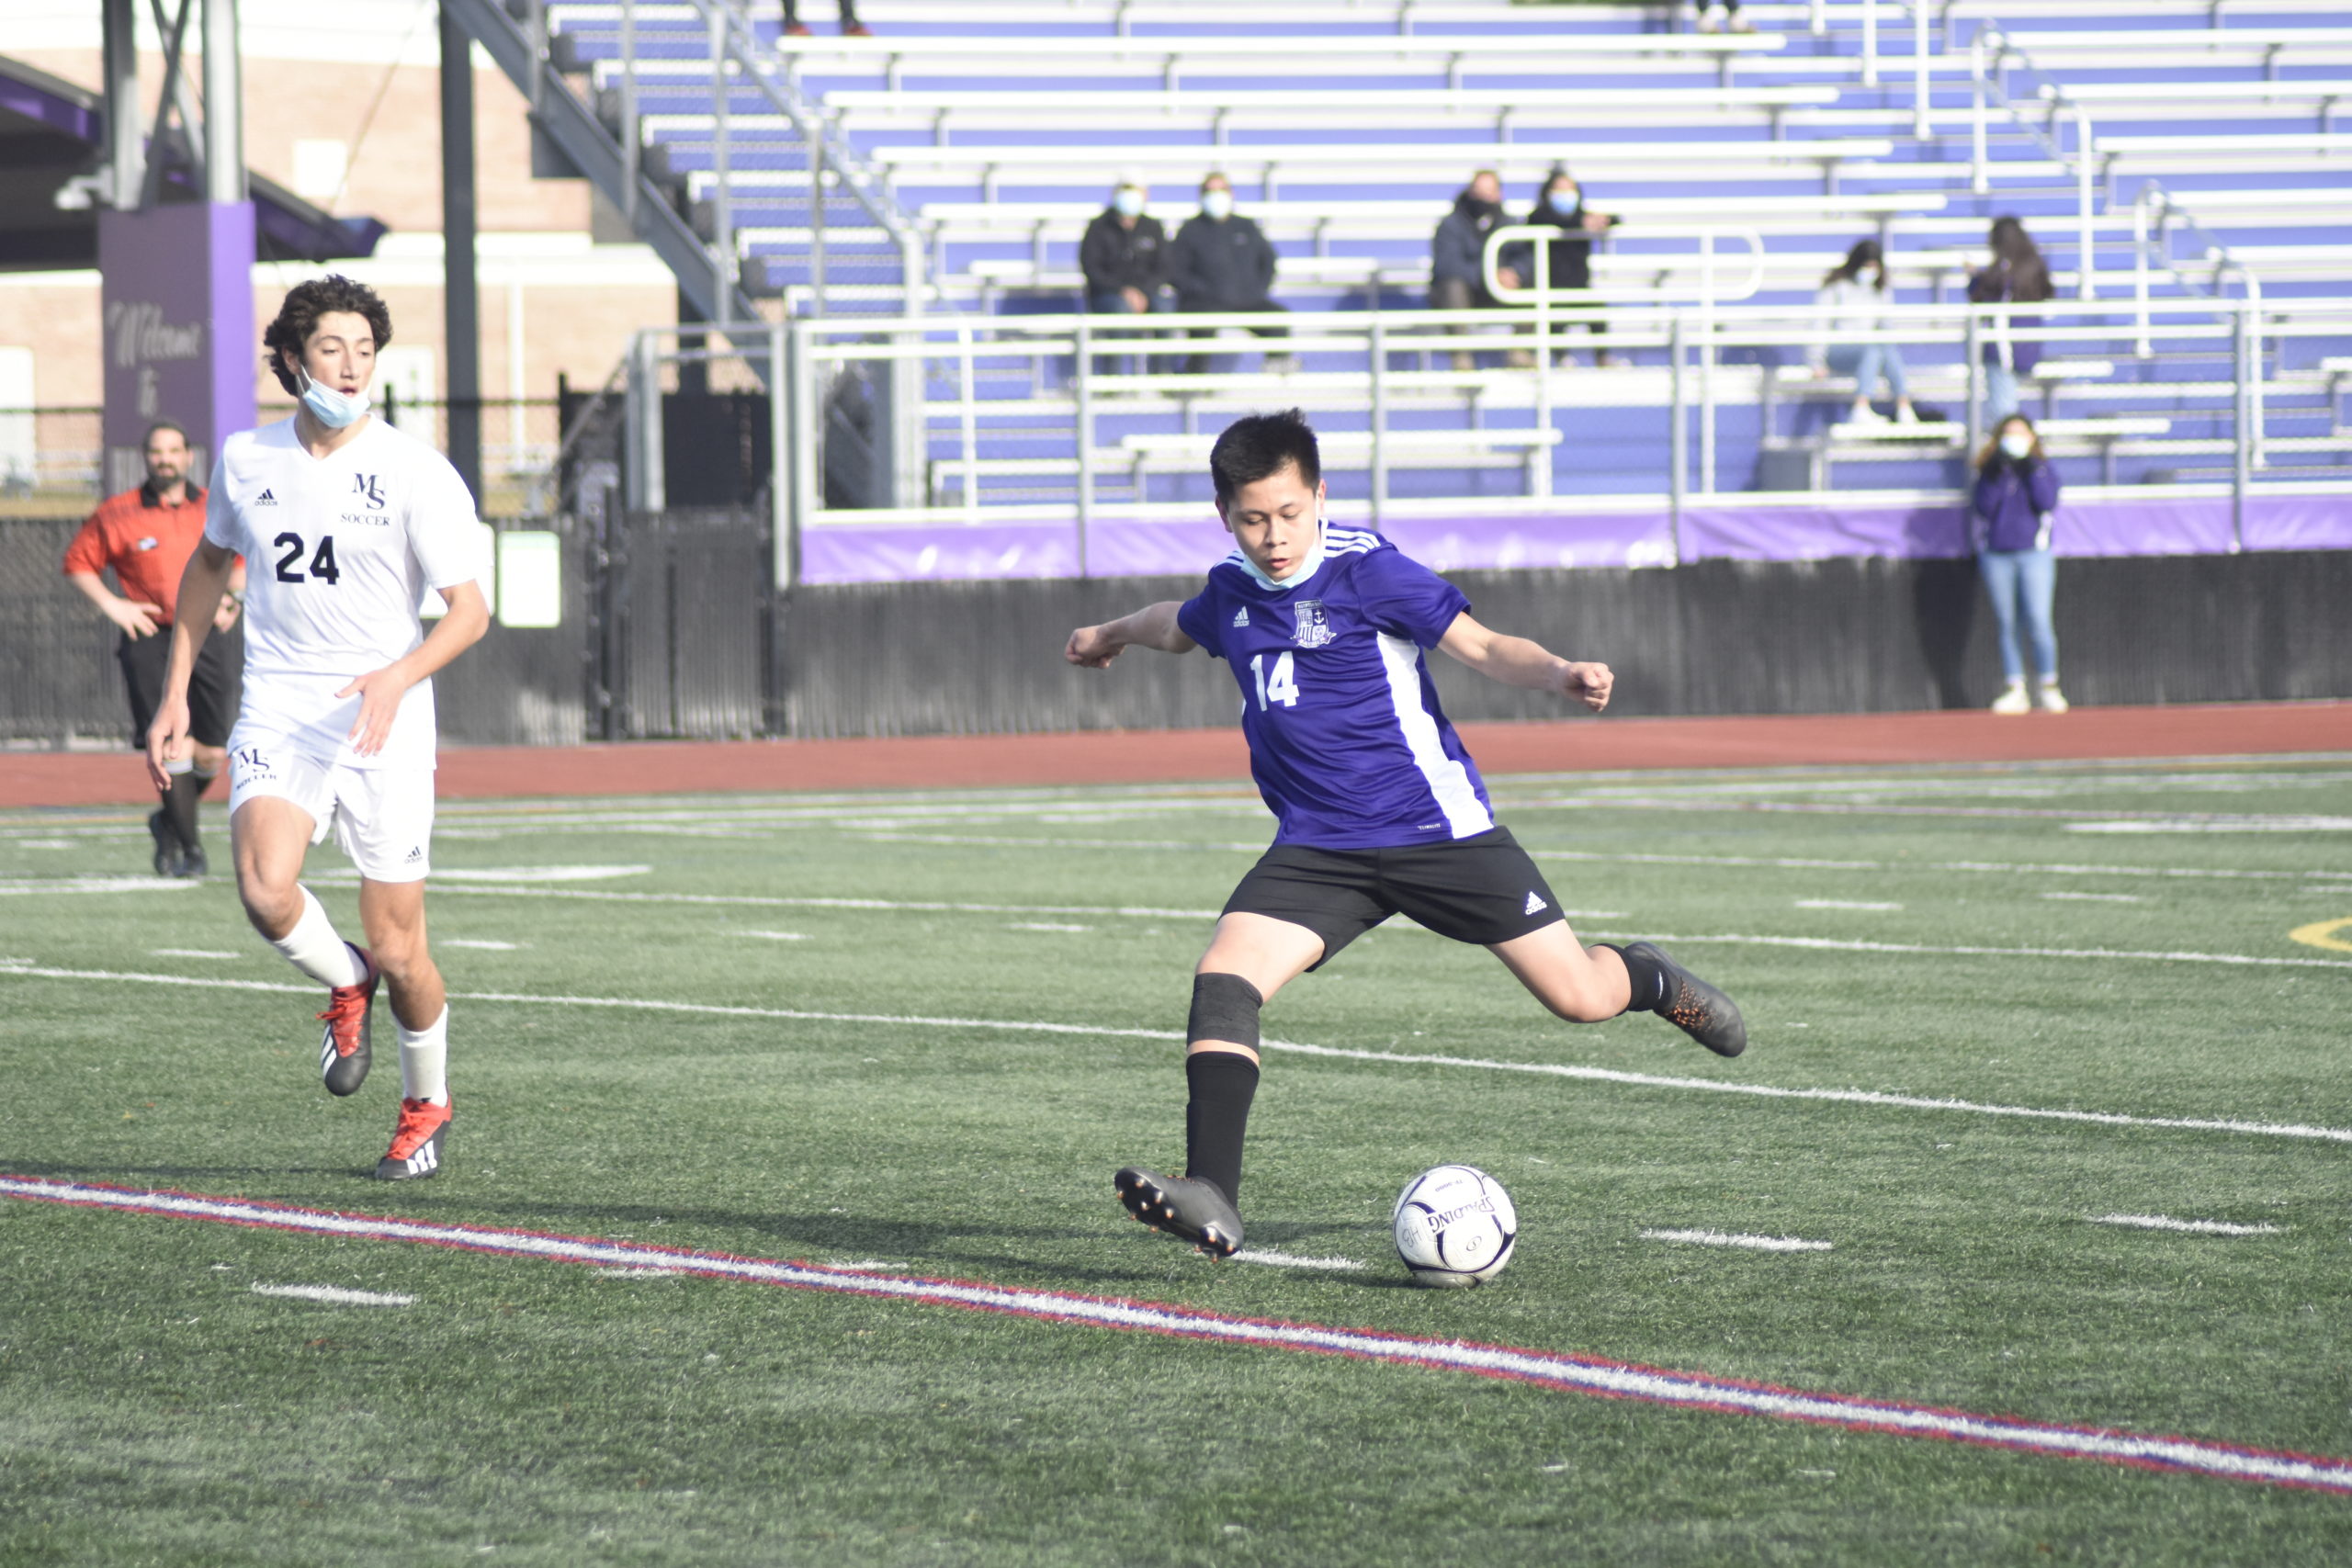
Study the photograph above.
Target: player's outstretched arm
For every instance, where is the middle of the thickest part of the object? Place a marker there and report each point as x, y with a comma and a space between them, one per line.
1516, 661
203, 583
1154, 625
380, 691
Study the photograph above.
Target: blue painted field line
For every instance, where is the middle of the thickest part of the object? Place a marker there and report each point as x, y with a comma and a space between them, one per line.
1566, 1372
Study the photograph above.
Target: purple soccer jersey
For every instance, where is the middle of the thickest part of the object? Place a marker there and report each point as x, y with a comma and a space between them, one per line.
1347, 742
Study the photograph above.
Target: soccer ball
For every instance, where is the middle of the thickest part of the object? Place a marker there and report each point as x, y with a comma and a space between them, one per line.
1454, 1226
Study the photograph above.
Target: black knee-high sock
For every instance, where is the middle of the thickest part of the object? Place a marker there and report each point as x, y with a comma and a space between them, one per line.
1648, 977
1222, 1083
179, 804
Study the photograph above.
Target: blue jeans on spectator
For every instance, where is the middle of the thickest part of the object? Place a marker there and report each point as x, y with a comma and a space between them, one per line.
2000, 395
1866, 363
2023, 584
1114, 302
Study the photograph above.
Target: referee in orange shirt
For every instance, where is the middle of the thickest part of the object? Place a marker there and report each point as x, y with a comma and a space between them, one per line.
146, 535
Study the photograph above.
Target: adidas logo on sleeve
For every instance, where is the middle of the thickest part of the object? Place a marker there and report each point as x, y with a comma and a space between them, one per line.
1241, 616
1536, 906
265, 498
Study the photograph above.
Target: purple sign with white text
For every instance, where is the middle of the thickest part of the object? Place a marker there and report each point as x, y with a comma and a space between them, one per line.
178, 301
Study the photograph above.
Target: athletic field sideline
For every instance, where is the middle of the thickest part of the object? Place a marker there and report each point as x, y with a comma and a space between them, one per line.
2019, 1232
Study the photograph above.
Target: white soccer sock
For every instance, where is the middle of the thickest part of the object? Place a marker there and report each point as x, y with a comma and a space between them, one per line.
424, 1060
315, 949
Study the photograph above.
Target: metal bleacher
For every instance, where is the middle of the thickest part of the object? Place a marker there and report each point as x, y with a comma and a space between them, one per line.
2182, 167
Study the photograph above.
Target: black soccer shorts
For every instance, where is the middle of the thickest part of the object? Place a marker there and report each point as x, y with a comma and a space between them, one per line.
1482, 889
214, 688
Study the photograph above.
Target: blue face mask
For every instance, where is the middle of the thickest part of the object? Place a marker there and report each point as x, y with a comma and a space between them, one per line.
1127, 203
333, 409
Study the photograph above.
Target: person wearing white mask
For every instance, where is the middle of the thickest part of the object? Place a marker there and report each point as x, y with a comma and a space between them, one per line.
1853, 298
1125, 259
1223, 261
2010, 512
347, 523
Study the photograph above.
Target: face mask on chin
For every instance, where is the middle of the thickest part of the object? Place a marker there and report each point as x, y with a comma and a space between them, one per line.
333, 409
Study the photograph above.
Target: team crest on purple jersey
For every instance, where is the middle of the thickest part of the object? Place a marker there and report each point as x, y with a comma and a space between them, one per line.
1313, 627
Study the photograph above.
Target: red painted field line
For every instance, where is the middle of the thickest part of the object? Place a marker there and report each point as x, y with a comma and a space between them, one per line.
962, 761
1571, 1373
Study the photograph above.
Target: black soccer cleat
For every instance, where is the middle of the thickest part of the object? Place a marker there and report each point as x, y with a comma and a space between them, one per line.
344, 1044
169, 857
194, 866
1694, 1006
418, 1140
1186, 1207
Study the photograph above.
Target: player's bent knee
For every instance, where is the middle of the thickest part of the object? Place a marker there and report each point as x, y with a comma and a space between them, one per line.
1225, 1008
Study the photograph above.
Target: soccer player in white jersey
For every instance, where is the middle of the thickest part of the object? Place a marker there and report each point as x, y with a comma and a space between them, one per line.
1380, 810
346, 521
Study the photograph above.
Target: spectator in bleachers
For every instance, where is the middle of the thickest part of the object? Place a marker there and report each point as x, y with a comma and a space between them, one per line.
1853, 298
2018, 275
1560, 203
1722, 15
2011, 507
1457, 258
1222, 261
851, 26
1125, 258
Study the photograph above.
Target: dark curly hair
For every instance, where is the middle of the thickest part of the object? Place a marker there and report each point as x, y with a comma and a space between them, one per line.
299, 318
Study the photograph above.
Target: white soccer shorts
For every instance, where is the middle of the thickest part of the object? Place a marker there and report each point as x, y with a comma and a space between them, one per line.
382, 817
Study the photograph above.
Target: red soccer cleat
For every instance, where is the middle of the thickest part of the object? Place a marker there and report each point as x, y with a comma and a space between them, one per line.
343, 1047
417, 1141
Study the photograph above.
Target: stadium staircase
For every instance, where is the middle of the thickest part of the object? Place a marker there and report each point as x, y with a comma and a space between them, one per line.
2177, 152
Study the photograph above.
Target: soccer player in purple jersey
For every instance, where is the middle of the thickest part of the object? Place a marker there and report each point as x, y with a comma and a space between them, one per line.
1380, 810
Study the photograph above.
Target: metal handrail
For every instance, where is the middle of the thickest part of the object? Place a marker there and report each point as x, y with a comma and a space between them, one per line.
828, 146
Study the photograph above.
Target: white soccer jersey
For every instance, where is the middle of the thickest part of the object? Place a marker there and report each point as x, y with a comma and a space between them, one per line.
339, 551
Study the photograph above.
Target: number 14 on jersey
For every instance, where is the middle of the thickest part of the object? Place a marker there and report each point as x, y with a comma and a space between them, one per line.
1279, 686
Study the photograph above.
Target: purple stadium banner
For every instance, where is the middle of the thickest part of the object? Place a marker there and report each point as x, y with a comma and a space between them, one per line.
1048, 546
177, 303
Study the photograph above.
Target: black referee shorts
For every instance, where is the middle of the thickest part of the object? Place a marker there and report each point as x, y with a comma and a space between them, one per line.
214, 689
1482, 889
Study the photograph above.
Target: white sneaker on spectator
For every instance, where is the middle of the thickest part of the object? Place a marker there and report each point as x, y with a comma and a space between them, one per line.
2052, 699
1906, 414
2013, 699
1864, 414
1740, 24
1711, 18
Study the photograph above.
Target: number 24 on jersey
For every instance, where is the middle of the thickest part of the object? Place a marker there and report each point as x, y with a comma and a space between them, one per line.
1278, 685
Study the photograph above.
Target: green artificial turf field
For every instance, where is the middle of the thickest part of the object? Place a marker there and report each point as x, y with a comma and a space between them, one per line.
2006, 936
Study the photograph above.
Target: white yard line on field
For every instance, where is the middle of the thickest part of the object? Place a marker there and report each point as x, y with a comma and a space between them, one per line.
2167, 1223
1726, 1238
1544, 1069
335, 1295
20, 886
192, 952
1862, 904
2095, 897
1284, 1260
1566, 1372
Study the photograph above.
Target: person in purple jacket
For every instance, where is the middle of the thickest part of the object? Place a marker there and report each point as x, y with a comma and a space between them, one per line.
1380, 810
2009, 514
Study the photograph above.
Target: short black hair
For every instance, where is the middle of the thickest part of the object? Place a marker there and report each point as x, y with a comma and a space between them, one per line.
299, 318
1259, 445
174, 426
